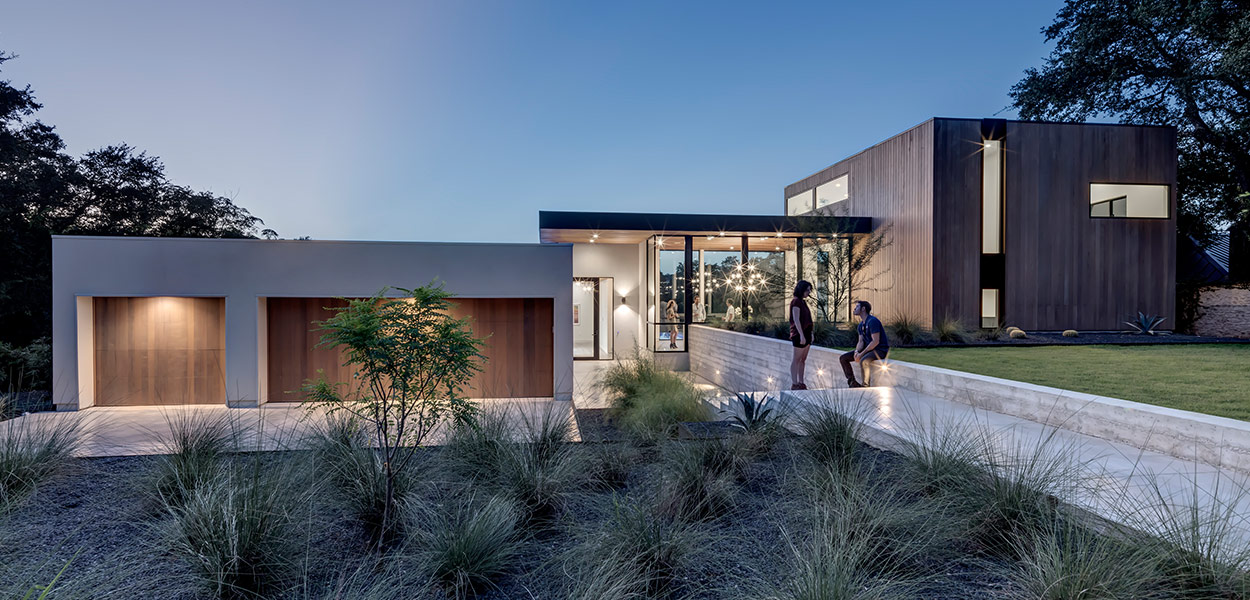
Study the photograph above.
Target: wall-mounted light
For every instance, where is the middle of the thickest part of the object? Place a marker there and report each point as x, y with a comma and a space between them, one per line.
624, 300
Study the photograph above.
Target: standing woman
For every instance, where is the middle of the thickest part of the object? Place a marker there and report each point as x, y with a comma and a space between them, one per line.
670, 315
800, 333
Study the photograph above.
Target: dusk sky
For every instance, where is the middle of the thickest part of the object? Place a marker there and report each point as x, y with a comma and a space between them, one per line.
460, 120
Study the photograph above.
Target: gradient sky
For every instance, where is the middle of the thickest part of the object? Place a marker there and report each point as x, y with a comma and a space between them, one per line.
460, 120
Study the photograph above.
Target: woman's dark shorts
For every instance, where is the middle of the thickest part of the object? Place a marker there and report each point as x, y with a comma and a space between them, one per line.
794, 339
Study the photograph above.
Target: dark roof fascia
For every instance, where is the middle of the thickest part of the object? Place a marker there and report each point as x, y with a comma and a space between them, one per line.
660, 222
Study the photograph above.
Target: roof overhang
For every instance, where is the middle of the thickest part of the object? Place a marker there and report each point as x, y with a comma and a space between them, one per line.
633, 228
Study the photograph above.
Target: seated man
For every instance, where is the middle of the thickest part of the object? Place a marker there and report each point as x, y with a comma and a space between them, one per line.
872, 345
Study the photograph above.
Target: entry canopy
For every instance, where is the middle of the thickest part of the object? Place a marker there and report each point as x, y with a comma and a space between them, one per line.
633, 228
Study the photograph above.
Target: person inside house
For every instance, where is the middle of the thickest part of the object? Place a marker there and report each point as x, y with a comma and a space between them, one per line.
730, 312
697, 311
801, 330
871, 347
670, 315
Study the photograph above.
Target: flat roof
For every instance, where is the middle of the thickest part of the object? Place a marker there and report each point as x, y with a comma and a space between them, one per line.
633, 228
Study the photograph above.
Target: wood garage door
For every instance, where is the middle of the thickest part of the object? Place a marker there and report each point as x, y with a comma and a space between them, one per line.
161, 350
519, 346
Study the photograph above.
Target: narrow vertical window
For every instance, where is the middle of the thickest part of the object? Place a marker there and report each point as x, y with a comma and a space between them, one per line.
992, 197
989, 309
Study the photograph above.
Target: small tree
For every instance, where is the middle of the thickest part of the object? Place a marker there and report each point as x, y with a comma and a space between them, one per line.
413, 359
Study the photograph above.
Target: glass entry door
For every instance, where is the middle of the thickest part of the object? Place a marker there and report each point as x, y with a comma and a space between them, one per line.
592, 318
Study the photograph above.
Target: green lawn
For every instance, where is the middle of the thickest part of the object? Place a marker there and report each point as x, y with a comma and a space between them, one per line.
1206, 378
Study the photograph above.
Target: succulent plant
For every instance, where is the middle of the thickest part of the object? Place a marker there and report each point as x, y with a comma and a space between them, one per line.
1145, 324
747, 414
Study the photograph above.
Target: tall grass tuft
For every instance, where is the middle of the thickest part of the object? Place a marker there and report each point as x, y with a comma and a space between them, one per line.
355, 470
240, 530
474, 450
895, 533
1073, 561
943, 454
607, 580
608, 465
196, 446
949, 329
1201, 544
32, 448
540, 470
467, 547
830, 566
648, 401
906, 329
652, 548
830, 436
699, 479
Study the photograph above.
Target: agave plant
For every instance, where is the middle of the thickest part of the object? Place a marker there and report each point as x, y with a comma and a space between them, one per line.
1145, 324
747, 414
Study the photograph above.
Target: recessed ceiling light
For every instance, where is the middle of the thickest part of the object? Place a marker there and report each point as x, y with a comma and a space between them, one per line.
596, 236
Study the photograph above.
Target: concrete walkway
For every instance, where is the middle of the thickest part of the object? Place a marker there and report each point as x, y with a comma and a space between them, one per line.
144, 430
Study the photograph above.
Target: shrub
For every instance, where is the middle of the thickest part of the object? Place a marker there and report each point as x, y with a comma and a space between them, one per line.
465, 547
950, 330
196, 447
32, 448
1018, 334
832, 335
240, 529
26, 367
698, 479
1071, 333
906, 329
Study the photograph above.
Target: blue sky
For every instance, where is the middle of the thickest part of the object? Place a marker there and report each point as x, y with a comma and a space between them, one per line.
460, 120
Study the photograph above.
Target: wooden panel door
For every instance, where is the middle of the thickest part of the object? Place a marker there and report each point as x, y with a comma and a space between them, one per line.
518, 333
163, 350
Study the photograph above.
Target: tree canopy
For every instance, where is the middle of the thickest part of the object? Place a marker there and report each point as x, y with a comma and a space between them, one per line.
116, 190
1184, 63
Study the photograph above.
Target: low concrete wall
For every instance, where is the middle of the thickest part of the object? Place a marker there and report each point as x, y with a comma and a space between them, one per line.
1223, 312
739, 361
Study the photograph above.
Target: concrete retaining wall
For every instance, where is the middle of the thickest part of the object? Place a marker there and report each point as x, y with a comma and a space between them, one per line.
739, 361
1224, 312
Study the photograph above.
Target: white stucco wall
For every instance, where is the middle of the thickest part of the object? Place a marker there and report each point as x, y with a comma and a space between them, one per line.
620, 262
243, 271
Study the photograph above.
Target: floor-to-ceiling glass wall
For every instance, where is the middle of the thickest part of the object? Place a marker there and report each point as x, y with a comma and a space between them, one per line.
826, 264
667, 308
719, 259
768, 283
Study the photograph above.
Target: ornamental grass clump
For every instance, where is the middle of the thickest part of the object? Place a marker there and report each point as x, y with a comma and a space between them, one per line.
242, 531
354, 470
699, 479
465, 547
653, 548
1070, 560
831, 436
829, 565
196, 447
906, 329
647, 401
33, 448
950, 330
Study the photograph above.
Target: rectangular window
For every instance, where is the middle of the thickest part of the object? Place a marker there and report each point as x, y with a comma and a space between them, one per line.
991, 197
833, 192
989, 309
1127, 201
799, 204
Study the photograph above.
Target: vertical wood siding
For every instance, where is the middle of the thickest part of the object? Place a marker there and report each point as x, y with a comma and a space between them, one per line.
1066, 270
518, 332
165, 350
892, 182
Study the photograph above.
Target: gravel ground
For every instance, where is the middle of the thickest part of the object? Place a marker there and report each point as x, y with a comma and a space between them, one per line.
98, 514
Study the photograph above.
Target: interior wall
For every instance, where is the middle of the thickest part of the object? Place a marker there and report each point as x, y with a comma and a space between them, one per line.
620, 262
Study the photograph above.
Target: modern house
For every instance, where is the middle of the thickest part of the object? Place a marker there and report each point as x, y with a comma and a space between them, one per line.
1040, 225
